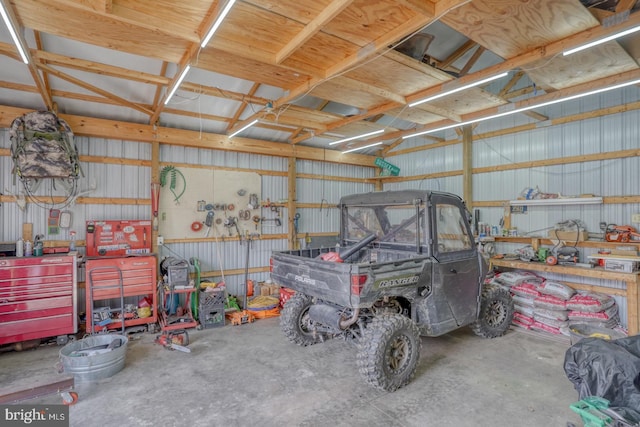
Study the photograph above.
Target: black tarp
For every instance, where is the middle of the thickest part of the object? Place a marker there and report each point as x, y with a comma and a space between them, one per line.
608, 369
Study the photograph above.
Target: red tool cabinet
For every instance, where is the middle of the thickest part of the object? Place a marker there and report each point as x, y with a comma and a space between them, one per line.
138, 279
38, 297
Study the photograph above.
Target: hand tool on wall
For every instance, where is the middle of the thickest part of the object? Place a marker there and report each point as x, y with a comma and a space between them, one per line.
208, 221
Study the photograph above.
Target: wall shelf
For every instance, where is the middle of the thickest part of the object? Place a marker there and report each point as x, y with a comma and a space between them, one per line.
560, 201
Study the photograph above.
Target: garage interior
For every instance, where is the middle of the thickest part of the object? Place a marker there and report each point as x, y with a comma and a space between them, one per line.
212, 134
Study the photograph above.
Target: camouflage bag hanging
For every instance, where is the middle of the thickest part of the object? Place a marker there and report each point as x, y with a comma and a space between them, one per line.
42, 147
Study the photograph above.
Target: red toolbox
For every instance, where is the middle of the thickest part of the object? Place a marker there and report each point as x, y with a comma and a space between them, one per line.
38, 297
118, 238
135, 276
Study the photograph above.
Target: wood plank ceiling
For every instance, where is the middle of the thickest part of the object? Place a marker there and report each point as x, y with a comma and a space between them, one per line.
311, 71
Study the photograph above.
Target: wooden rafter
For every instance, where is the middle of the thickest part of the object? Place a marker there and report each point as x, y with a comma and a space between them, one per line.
105, 6
243, 106
472, 61
35, 74
295, 133
187, 57
331, 11
457, 54
105, 93
45, 78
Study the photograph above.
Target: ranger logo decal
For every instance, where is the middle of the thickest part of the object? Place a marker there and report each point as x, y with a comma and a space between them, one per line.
401, 281
304, 279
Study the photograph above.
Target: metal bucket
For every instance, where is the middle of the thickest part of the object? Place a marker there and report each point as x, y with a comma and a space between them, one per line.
94, 358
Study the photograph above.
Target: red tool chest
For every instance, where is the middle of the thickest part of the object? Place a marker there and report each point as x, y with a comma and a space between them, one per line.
138, 275
38, 297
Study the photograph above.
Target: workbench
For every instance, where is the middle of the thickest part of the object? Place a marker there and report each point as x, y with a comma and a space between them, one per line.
631, 280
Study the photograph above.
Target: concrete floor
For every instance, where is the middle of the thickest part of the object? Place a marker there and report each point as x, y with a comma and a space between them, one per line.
250, 375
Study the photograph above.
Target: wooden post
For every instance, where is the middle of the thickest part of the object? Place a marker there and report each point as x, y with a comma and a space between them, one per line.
155, 177
467, 166
27, 231
291, 204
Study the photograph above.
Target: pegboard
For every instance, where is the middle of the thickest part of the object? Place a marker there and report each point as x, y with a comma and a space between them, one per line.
225, 193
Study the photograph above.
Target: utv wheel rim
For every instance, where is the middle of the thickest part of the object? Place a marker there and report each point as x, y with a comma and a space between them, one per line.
304, 323
496, 314
398, 354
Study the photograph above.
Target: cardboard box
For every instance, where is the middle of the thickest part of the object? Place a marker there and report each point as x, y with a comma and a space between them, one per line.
622, 266
568, 236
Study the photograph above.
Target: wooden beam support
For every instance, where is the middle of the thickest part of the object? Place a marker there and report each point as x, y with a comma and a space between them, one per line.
291, 203
467, 165
457, 54
538, 53
106, 94
113, 129
35, 74
328, 13
557, 95
242, 107
472, 61
186, 59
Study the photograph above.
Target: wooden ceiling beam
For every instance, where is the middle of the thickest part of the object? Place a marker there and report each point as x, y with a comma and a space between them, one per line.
242, 106
423, 7
35, 74
106, 94
113, 129
624, 5
457, 54
98, 68
472, 61
535, 54
223, 93
105, 6
186, 59
328, 13
294, 134
368, 88
45, 78
557, 95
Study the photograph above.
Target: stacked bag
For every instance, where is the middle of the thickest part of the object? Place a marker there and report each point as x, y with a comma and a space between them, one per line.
552, 307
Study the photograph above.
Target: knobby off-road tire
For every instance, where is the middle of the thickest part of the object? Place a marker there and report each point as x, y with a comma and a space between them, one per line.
294, 320
496, 312
388, 352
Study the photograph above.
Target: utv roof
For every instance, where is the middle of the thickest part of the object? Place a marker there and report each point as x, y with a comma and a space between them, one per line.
391, 197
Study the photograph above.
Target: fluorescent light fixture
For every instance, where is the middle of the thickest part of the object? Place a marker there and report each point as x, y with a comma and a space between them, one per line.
219, 19
458, 89
245, 127
600, 41
364, 135
177, 83
14, 33
362, 148
560, 201
530, 107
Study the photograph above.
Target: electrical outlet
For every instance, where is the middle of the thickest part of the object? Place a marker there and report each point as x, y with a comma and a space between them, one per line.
635, 218
160, 240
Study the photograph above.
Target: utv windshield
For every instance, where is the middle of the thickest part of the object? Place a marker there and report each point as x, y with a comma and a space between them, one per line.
396, 224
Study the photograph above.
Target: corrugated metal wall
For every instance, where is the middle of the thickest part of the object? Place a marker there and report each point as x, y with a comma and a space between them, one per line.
596, 135
615, 177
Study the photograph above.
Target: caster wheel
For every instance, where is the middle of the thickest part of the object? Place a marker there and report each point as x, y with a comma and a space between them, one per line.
69, 398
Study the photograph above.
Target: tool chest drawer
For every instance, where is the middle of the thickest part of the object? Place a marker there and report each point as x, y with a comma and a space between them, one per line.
38, 298
138, 276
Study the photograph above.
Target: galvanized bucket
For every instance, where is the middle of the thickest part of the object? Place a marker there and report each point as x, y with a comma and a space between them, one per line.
94, 358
